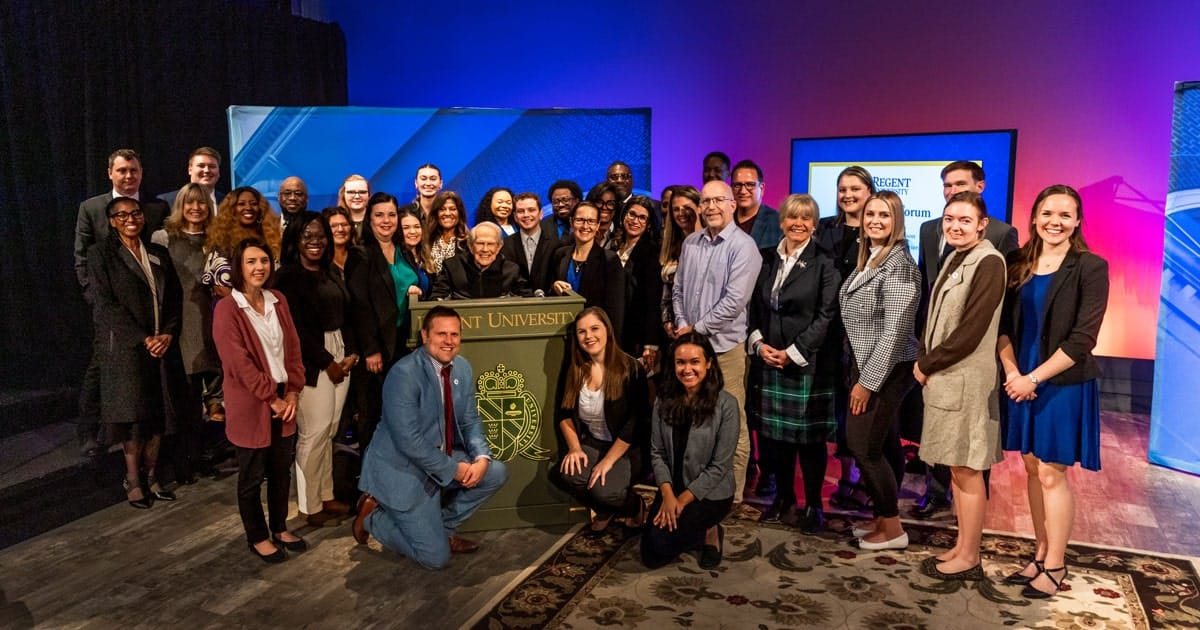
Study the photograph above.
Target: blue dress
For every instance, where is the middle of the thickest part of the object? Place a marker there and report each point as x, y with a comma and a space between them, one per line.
1061, 425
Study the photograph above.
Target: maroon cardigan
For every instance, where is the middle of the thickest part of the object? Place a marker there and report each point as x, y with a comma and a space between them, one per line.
249, 387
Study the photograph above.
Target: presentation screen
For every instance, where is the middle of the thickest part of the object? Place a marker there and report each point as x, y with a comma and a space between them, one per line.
475, 149
910, 165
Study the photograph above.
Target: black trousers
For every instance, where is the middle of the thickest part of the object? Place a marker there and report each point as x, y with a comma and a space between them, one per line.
275, 463
781, 460
874, 438
659, 546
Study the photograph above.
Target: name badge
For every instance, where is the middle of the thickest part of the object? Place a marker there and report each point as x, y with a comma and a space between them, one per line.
153, 259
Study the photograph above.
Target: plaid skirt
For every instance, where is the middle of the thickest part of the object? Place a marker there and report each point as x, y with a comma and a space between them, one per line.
790, 406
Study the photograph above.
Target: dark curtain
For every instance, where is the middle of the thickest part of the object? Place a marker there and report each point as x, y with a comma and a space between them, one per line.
80, 79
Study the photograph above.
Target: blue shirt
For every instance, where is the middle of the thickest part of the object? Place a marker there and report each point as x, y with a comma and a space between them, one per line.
714, 282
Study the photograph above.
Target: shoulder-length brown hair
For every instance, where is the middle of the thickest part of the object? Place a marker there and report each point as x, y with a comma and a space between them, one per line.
1021, 270
896, 207
617, 365
673, 235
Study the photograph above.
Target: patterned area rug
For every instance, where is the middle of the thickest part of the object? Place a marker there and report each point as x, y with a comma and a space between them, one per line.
773, 577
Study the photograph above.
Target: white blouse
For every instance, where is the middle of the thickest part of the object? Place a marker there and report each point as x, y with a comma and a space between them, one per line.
270, 332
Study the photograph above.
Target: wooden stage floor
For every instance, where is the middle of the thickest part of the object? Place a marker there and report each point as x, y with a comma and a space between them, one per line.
185, 564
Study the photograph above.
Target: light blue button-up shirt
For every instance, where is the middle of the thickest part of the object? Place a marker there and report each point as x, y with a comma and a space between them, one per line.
714, 282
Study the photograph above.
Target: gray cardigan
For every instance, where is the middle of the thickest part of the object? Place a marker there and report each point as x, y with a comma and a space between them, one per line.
708, 460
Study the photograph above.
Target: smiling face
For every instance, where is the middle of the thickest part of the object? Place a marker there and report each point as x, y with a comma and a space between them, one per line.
797, 230
485, 246
715, 169
355, 195
195, 213
528, 214
127, 219
877, 222
448, 215
442, 336
428, 182
1056, 219
256, 268
204, 170
620, 176
691, 367
747, 190
684, 213
383, 221
716, 203
636, 220
293, 195
502, 206
585, 222
313, 242
962, 226
247, 209
563, 201
410, 228
592, 336
959, 180
126, 176
341, 228
852, 194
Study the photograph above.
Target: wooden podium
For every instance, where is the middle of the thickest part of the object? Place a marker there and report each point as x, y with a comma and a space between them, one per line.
516, 348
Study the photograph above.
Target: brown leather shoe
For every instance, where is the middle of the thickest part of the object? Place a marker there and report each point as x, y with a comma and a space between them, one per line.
366, 505
462, 545
336, 508
216, 411
320, 519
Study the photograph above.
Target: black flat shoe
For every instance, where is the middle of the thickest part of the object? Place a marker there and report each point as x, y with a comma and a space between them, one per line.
710, 556
812, 521
273, 558
1030, 592
927, 506
929, 568
298, 545
1022, 580
773, 513
143, 503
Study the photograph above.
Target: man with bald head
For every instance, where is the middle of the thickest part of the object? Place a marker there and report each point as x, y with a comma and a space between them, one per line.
718, 267
483, 274
293, 199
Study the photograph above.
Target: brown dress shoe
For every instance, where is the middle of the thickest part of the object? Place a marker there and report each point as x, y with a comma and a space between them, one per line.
216, 411
337, 508
366, 505
320, 519
462, 545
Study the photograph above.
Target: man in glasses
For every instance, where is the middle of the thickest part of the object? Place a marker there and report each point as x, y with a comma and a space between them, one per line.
718, 267
293, 199
204, 168
620, 175
564, 195
91, 227
754, 217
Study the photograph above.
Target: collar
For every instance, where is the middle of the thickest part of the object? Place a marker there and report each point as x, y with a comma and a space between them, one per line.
136, 195
724, 233
796, 254
437, 365
240, 298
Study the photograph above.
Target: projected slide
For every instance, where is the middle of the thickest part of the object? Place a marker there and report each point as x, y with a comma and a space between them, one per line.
476, 149
910, 165
1174, 441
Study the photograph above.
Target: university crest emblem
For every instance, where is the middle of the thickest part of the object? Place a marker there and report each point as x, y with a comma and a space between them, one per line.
511, 417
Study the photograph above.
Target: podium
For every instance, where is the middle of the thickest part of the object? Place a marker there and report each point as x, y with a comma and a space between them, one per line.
516, 348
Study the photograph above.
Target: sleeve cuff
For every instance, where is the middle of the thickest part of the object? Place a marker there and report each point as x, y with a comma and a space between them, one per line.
755, 337
795, 356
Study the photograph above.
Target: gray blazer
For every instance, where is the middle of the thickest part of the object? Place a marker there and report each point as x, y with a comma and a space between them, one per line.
708, 460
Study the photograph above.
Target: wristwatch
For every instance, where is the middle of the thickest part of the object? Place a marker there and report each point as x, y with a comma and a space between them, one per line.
1033, 379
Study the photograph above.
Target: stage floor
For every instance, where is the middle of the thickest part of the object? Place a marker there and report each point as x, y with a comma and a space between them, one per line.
185, 564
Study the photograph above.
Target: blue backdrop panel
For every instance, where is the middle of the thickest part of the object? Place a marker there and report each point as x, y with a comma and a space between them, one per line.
475, 149
1174, 439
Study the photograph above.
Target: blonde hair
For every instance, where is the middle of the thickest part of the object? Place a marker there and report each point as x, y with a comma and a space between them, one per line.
896, 207
190, 192
341, 199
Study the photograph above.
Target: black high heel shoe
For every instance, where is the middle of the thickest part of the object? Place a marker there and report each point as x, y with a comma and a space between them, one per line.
1030, 592
160, 494
1021, 580
710, 556
143, 503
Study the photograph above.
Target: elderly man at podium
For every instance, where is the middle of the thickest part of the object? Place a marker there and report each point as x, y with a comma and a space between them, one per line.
483, 274
429, 467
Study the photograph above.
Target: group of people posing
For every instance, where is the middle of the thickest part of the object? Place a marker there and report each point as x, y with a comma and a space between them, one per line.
797, 329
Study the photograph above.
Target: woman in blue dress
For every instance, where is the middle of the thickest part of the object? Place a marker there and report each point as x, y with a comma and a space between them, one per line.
1057, 294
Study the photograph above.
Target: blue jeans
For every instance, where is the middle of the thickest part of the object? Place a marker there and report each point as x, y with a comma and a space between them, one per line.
423, 532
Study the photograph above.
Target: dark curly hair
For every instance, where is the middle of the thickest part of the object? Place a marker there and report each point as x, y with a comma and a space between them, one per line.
675, 407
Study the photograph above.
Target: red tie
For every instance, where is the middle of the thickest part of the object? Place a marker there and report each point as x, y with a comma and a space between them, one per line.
448, 405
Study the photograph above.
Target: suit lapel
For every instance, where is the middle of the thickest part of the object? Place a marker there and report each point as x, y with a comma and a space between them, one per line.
801, 267
133, 265
1059, 279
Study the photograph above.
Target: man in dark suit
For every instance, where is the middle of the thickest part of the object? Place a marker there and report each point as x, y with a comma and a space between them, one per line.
533, 243
956, 177
564, 195
91, 227
755, 218
204, 168
429, 467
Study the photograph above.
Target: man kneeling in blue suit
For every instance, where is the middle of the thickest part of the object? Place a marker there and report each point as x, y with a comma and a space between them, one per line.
429, 467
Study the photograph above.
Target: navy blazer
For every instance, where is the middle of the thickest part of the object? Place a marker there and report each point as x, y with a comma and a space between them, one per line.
808, 302
1075, 303
407, 461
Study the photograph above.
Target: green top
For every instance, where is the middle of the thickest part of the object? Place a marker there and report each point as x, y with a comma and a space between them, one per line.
403, 276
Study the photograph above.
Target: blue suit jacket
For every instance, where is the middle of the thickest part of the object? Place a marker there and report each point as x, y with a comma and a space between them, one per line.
406, 463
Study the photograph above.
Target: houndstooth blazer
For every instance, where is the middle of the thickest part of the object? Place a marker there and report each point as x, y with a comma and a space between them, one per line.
878, 309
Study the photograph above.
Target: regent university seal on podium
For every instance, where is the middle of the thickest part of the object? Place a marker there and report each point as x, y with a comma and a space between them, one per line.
511, 417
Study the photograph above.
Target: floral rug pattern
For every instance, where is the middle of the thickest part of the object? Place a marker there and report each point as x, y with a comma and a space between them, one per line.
773, 577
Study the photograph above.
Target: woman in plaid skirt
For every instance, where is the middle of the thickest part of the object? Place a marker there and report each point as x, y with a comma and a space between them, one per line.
793, 303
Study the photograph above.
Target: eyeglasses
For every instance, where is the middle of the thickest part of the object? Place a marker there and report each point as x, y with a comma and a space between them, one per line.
356, 193
562, 201
591, 222
744, 185
125, 216
620, 177
292, 193
713, 201
640, 218
611, 204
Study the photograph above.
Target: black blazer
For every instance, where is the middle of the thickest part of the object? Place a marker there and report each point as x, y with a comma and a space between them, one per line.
808, 302
1075, 305
644, 287
602, 282
373, 300
304, 301
628, 418
91, 227
514, 249
461, 279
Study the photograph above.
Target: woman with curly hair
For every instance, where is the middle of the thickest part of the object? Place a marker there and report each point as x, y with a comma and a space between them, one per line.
244, 213
445, 228
497, 207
